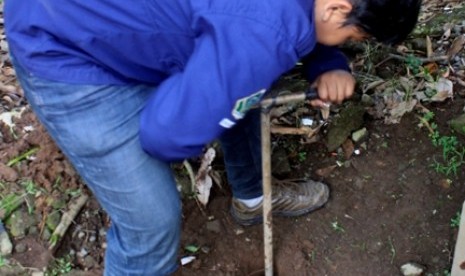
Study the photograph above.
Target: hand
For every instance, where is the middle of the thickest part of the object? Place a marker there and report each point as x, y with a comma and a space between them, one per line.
334, 86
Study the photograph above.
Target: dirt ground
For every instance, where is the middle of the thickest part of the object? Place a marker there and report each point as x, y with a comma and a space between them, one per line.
388, 207
388, 204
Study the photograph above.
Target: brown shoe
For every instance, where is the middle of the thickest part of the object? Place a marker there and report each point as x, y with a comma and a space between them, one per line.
289, 199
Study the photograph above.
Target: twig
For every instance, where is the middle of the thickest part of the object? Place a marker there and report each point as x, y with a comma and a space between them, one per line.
22, 157
426, 124
66, 220
422, 60
305, 131
191, 174
459, 81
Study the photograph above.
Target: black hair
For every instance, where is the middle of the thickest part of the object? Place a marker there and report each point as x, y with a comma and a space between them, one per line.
388, 21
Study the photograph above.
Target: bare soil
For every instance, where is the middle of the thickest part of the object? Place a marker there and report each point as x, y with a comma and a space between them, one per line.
388, 204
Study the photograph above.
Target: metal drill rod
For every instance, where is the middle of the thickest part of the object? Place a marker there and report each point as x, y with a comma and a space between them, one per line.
266, 106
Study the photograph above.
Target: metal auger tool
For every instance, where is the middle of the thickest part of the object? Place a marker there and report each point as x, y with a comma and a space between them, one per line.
266, 106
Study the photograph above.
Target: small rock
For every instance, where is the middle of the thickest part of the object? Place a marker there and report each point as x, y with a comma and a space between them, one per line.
458, 124
102, 232
375, 246
17, 224
239, 231
92, 238
82, 253
53, 219
358, 135
7, 173
37, 273
359, 183
20, 248
89, 262
205, 249
81, 235
6, 247
419, 44
367, 100
280, 162
8, 270
412, 269
33, 230
214, 226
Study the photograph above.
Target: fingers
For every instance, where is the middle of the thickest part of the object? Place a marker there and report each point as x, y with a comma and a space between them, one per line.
319, 103
335, 86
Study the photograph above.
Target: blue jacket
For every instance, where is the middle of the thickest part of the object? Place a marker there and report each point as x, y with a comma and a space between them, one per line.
210, 60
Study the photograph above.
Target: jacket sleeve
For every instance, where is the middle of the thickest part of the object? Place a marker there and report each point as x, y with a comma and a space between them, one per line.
231, 66
323, 59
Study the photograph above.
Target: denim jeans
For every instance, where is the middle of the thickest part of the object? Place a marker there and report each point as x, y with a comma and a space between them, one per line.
96, 126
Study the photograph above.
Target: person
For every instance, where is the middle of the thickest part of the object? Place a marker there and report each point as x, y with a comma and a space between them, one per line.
125, 88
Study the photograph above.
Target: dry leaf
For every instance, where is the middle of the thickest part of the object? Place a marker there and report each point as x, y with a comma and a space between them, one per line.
444, 88
324, 172
325, 112
432, 67
203, 181
456, 47
348, 148
429, 47
447, 31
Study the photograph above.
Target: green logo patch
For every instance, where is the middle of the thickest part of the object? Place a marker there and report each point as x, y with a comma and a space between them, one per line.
245, 104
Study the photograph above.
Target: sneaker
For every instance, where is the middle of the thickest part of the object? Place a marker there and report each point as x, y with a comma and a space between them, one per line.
289, 199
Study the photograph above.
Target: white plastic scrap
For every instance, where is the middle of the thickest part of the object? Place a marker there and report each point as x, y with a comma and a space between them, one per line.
203, 181
7, 117
307, 121
187, 260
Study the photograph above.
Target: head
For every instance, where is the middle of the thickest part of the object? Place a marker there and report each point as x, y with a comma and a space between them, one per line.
388, 21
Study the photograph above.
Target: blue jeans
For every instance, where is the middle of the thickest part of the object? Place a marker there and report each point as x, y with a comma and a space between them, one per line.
97, 127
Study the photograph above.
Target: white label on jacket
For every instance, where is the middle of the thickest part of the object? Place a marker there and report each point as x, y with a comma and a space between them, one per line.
245, 104
226, 123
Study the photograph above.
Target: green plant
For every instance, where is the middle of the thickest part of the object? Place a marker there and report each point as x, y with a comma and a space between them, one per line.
455, 221
414, 64
302, 156
60, 266
337, 227
30, 187
392, 249
452, 151
23, 156
9, 203
3, 261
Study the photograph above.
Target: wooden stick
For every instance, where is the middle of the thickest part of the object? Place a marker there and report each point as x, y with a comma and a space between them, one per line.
459, 252
422, 60
66, 220
267, 206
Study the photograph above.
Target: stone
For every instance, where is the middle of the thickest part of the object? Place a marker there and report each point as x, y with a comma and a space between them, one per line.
20, 248
53, 219
348, 120
17, 224
280, 162
359, 135
8, 173
89, 262
213, 226
6, 247
458, 124
412, 269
